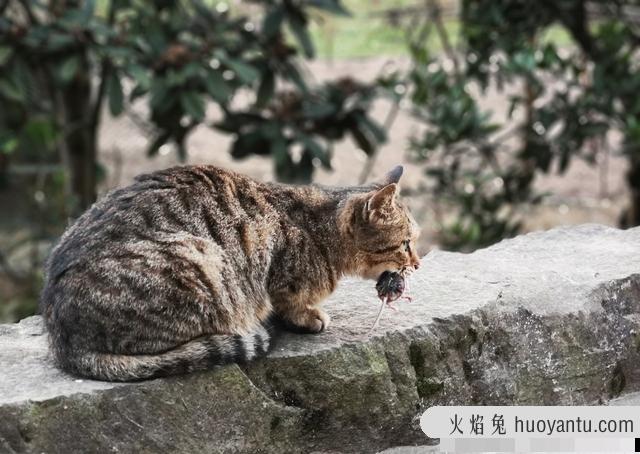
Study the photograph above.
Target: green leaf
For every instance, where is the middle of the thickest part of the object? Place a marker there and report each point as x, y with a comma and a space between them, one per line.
23, 77
5, 54
302, 172
68, 70
88, 9
293, 74
316, 150
299, 29
514, 102
192, 104
377, 131
203, 10
331, 6
266, 89
141, 75
101, 172
8, 142
318, 109
137, 91
245, 72
117, 53
191, 70
160, 95
234, 122
217, 87
58, 41
154, 147
362, 140
182, 151
114, 92
41, 132
281, 159
11, 91
271, 130
175, 78
252, 142
273, 22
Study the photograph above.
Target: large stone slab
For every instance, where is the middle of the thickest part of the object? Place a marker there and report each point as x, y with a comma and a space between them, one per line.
545, 318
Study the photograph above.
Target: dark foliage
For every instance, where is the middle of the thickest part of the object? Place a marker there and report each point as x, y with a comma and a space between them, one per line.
567, 97
62, 61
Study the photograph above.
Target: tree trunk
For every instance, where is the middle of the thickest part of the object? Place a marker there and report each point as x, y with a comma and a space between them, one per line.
631, 217
4, 166
75, 116
81, 141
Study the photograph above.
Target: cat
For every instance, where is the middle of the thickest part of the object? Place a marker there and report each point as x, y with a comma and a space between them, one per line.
186, 268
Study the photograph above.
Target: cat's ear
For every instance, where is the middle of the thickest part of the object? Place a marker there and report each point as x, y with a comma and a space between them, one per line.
393, 176
383, 201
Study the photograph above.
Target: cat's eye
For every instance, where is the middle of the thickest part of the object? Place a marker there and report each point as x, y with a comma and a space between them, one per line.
407, 245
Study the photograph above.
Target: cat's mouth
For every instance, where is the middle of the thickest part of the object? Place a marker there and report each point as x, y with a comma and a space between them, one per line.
375, 272
398, 268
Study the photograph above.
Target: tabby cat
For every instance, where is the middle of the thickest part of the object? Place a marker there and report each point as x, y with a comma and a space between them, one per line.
185, 268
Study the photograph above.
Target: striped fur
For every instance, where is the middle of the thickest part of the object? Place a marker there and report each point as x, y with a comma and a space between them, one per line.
185, 268
198, 354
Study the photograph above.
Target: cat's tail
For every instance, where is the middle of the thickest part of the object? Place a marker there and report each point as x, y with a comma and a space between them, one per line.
199, 354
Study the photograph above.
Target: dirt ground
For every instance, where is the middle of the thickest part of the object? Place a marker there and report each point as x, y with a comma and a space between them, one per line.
584, 194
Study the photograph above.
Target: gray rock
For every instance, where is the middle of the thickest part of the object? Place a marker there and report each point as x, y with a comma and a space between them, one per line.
631, 399
411, 450
548, 318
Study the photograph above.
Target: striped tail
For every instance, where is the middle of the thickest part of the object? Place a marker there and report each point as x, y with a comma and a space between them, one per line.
199, 354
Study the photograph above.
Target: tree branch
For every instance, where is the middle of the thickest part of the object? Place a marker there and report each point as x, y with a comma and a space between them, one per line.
435, 12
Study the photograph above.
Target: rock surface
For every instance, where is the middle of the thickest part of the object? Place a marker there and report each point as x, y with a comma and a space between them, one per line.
546, 318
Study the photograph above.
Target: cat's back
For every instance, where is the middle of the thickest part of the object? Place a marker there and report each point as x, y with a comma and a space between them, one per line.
208, 202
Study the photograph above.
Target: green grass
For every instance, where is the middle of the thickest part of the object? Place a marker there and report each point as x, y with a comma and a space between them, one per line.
558, 35
360, 35
363, 35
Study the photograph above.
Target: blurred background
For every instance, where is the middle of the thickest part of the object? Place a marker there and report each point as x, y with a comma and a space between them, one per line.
508, 115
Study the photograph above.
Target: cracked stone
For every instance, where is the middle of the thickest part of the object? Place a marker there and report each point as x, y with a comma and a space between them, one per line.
548, 318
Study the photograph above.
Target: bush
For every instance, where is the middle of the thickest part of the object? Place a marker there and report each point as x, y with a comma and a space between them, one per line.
568, 97
62, 61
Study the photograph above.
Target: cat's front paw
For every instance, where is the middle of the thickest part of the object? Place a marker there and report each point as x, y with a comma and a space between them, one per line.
311, 321
319, 321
